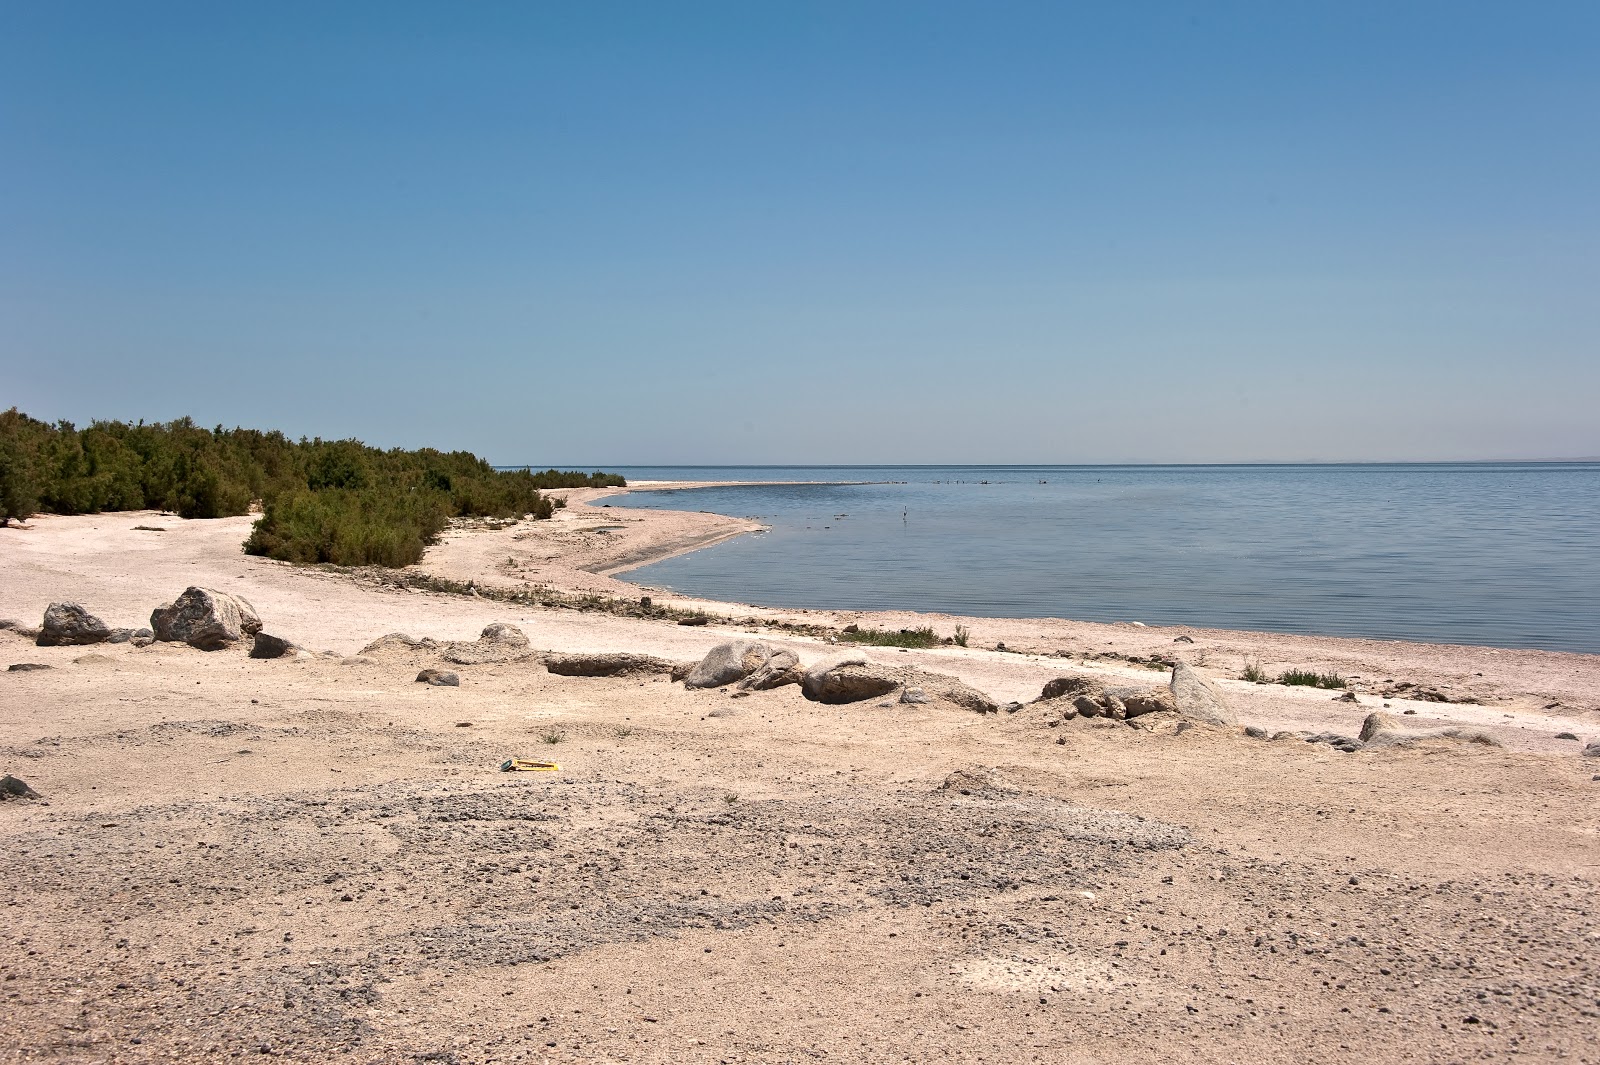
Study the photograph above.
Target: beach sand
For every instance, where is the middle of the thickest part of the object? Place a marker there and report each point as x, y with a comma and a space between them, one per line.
317, 858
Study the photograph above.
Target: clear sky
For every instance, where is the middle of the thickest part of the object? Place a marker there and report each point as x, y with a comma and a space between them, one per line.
680, 232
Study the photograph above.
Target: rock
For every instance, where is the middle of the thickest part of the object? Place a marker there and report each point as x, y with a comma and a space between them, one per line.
606, 664
26, 667
68, 624
1198, 700
1161, 722
1000, 646
681, 670
646, 602
205, 618
1375, 723
12, 788
853, 679
782, 668
727, 662
846, 679
1183, 639
439, 678
979, 782
1592, 750
911, 696
1410, 737
695, 619
1559, 735
142, 641
271, 646
1099, 704
499, 642
120, 636
1137, 702
1058, 687
396, 643
1255, 732
7, 624
1347, 697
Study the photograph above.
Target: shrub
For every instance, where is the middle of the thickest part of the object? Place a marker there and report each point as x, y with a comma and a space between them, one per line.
923, 637
962, 635
1312, 680
1254, 673
335, 501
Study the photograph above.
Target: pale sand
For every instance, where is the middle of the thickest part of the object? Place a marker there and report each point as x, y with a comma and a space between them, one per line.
781, 881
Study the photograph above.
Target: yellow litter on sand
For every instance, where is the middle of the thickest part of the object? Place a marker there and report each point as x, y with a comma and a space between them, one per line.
528, 765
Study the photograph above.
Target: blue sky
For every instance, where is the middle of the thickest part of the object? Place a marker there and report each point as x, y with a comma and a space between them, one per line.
822, 232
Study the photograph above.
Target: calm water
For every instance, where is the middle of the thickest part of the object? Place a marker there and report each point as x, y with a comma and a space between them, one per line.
1495, 553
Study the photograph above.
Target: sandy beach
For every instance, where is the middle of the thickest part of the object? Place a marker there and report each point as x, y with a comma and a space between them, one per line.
317, 857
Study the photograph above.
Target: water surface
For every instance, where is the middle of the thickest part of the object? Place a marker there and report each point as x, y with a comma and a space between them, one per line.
1492, 553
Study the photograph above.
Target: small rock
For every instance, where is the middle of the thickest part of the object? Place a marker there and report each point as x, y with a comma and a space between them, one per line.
1559, 735
1183, 639
26, 667
646, 602
12, 788
120, 636
1255, 732
1377, 722
439, 678
68, 624
910, 695
271, 646
695, 620
1346, 697
1000, 647
1593, 750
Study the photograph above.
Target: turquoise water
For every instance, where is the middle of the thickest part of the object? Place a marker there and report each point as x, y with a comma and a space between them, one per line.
1495, 553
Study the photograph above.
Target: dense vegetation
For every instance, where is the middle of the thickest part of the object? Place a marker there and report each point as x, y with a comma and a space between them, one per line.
336, 501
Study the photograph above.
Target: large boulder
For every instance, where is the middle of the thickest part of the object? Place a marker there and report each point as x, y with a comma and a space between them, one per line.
68, 624
1198, 700
727, 662
853, 679
499, 642
607, 664
849, 679
205, 618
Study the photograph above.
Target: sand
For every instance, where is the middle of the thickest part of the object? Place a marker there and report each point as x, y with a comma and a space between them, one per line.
318, 859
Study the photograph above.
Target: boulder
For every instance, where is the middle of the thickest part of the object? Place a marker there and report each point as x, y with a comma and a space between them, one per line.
68, 624
606, 664
439, 678
730, 661
1071, 685
849, 679
1411, 737
782, 668
853, 679
499, 642
1376, 722
12, 788
1198, 700
205, 618
267, 646
1137, 702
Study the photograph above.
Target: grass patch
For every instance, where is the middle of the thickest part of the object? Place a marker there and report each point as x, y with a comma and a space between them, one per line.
923, 637
963, 634
1307, 678
554, 735
1254, 673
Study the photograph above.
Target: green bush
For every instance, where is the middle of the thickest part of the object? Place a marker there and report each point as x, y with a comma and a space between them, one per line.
923, 637
1312, 680
335, 501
